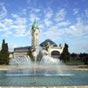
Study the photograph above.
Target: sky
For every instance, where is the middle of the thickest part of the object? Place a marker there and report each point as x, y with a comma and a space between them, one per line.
62, 21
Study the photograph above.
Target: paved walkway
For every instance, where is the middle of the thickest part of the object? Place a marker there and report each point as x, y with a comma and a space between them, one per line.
64, 67
50, 87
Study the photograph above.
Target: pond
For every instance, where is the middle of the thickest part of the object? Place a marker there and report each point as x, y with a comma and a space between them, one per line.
17, 78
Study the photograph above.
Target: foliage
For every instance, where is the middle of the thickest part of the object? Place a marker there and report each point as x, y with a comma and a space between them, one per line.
84, 58
73, 55
65, 56
74, 62
4, 54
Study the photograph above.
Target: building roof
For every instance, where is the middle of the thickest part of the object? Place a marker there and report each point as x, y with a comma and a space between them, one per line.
45, 43
35, 25
27, 48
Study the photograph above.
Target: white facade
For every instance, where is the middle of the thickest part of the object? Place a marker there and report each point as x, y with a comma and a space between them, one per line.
35, 35
56, 50
35, 38
21, 51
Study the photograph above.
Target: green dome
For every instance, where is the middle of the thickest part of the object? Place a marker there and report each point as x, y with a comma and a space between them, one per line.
35, 25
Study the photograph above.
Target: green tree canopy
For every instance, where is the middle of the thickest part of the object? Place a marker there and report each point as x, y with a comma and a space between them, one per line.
65, 56
4, 54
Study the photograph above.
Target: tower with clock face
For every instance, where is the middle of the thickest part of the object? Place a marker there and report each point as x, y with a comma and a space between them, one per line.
35, 35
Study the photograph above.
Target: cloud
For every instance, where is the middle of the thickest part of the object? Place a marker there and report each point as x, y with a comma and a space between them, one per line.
20, 26
48, 13
36, 10
7, 33
47, 16
60, 15
78, 45
75, 11
5, 24
33, 16
15, 27
20, 20
54, 31
78, 29
47, 22
63, 23
86, 12
3, 11
12, 46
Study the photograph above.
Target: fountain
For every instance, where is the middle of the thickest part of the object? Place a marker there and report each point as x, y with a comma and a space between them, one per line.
47, 72
47, 66
35, 53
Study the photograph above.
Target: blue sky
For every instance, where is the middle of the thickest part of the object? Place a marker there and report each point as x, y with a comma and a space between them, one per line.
63, 21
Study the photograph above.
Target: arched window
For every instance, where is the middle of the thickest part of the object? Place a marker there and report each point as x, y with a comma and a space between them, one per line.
55, 53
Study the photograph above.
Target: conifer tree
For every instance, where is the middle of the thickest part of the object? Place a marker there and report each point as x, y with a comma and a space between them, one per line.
4, 54
65, 56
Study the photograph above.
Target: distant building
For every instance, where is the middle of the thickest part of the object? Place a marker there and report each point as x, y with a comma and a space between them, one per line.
53, 50
49, 48
20, 51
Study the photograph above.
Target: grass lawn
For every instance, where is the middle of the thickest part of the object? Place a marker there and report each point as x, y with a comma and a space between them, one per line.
75, 62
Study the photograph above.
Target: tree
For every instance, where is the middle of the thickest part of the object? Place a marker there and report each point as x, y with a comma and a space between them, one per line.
73, 55
65, 56
84, 58
1, 60
4, 54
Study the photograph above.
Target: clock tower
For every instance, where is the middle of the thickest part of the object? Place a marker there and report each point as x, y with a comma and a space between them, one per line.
35, 35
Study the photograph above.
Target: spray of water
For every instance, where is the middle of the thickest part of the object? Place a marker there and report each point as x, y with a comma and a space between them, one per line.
46, 66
